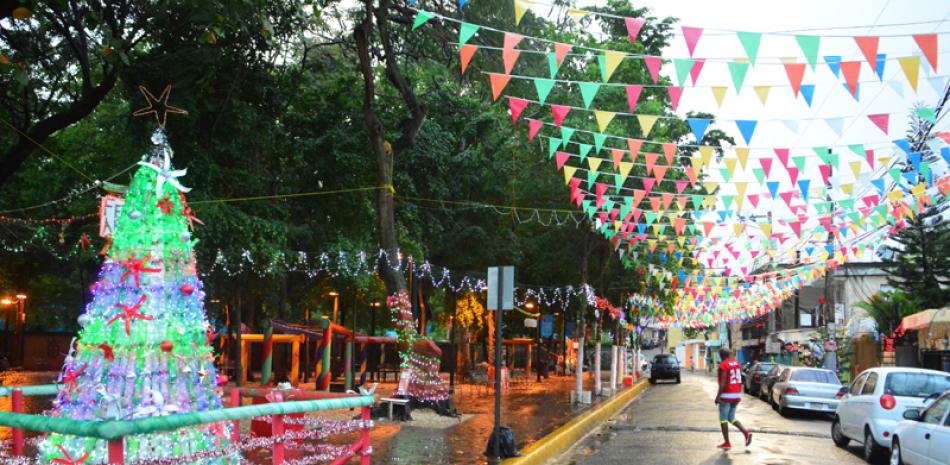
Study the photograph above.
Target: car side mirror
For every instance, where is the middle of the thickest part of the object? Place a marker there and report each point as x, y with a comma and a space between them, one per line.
912, 414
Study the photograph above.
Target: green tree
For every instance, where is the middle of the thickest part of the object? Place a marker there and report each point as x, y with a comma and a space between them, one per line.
889, 308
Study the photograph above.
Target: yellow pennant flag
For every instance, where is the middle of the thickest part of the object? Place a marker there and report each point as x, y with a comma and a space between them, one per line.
895, 195
612, 59
730, 165
719, 93
740, 190
788, 60
856, 169
743, 154
918, 189
603, 119
847, 188
625, 167
766, 229
594, 163
646, 123
569, 173
616, 226
577, 15
521, 6
884, 160
697, 162
709, 201
762, 92
707, 153
911, 68
737, 229
710, 186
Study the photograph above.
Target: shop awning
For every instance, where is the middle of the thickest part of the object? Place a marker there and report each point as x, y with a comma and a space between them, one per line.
925, 318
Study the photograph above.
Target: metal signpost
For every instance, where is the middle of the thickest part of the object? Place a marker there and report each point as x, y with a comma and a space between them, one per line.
501, 296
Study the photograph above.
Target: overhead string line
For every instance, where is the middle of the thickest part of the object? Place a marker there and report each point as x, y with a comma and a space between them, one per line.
47, 151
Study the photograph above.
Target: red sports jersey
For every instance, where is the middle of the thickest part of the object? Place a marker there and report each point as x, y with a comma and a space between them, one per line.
733, 373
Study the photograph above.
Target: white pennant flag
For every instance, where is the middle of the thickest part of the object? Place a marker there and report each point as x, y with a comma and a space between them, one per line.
939, 83
836, 125
791, 124
897, 86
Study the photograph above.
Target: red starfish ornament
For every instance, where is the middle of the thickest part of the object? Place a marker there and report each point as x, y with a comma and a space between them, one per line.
107, 352
210, 335
136, 268
70, 380
130, 312
165, 205
189, 214
69, 460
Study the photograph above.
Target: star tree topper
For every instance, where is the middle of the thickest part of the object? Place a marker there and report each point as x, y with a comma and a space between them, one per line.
162, 102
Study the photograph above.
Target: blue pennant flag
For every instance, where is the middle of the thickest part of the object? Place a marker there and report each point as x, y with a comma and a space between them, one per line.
911, 177
945, 153
698, 126
747, 128
903, 144
879, 183
641, 227
462, 4
833, 62
914, 158
773, 188
881, 60
808, 92
803, 185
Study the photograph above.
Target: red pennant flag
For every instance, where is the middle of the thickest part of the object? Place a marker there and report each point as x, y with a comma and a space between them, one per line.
707, 227
648, 185
465, 55
782, 155
880, 120
561, 51
633, 94
600, 188
498, 83
510, 57
637, 198
559, 112
851, 71
697, 67
634, 146
633, 28
692, 34
680, 187
868, 46
669, 150
533, 127
617, 155
928, 45
795, 72
512, 40
653, 65
516, 106
675, 94
681, 201
561, 158
650, 161
766, 165
655, 204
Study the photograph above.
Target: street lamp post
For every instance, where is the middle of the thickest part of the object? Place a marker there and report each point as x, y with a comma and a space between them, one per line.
537, 340
336, 305
19, 325
374, 306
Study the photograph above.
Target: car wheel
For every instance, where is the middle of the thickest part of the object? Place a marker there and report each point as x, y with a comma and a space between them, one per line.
896, 453
837, 435
872, 451
781, 410
677, 379
652, 380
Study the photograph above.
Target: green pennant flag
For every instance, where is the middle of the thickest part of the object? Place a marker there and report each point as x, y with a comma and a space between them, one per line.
822, 153
552, 64
833, 159
584, 149
650, 217
607, 206
618, 183
809, 46
759, 175
599, 140
661, 228
466, 32
725, 174
738, 70
592, 178
925, 169
566, 134
585, 206
799, 163
727, 201
846, 204
750, 42
858, 149
589, 91
895, 174
691, 228
855, 217
821, 207
697, 201
927, 114
421, 18
683, 67
553, 144
543, 86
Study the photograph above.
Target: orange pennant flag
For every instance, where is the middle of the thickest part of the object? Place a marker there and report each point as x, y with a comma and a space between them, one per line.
465, 54
498, 83
928, 45
634, 146
510, 57
670, 151
851, 71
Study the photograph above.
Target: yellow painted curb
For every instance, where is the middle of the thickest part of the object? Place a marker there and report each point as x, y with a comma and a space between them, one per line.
563, 438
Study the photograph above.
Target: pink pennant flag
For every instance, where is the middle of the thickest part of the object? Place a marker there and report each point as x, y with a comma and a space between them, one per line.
516, 106
633, 28
510, 57
851, 71
648, 185
797, 227
634, 146
692, 34
675, 94
869, 154
533, 127
653, 65
697, 67
767, 165
825, 172
753, 199
559, 112
633, 95
669, 149
512, 40
793, 174
600, 188
795, 72
880, 120
681, 201
787, 197
782, 155
680, 187
617, 155
868, 46
561, 158
561, 51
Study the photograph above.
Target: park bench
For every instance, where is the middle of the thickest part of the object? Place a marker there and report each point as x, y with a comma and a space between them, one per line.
390, 402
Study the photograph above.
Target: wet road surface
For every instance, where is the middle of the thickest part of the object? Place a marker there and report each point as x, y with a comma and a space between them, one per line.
674, 424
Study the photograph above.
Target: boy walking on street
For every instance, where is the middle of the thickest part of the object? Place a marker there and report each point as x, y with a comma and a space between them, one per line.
729, 395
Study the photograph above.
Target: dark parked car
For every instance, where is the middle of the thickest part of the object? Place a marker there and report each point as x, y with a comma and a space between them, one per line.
768, 380
755, 375
664, 366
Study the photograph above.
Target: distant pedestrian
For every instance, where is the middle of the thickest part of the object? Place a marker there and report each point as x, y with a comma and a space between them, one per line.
728, 397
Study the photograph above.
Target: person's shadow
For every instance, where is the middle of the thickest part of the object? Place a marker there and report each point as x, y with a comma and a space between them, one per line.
722, 458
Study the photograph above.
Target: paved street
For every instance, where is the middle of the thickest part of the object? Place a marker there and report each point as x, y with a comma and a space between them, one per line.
678, 424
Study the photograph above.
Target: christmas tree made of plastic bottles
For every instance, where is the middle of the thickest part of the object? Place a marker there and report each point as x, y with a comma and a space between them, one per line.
144, 349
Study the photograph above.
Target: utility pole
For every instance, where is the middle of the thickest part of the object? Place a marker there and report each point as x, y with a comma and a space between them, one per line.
831, 356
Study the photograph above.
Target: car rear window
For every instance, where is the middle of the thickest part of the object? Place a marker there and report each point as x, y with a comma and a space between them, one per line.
663, 359
815, 376
916, 384
763, 367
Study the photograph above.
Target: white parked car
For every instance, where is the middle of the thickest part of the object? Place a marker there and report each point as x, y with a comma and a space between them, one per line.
924, 437
876, 401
